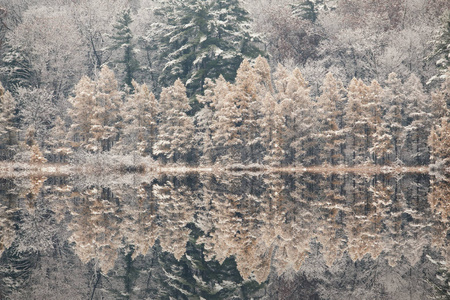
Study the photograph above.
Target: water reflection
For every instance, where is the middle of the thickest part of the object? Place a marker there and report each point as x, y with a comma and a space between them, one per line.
223, 235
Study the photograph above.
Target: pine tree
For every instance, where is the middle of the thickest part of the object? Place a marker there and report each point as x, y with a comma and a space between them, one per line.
81, 114
215, 91
226, 136
330, 134
108, 102
293, 96
8, 130
310, 9
418, 121
441, 50
272, 131
203, 39
123, 39
139, 117
58, 143
378, 138
245, 94
355, 121
394, 103
16, 68
176, 128
439, 139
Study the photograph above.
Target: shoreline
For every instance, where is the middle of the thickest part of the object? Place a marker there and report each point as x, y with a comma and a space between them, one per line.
8, 170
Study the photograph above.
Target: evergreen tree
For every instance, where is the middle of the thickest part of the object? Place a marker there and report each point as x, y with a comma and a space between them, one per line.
378, 137
176, 128
123, 39
394, 106
441, 50
310, 9
203, 39
16, 68
356, 122
418, 121
272, 131
139, 117
328, 115
81, 114
108, 102
8, 130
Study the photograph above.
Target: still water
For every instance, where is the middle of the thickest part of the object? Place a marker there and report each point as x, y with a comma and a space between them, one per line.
224, 236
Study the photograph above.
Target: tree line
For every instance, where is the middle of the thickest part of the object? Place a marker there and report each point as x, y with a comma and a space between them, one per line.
262, 117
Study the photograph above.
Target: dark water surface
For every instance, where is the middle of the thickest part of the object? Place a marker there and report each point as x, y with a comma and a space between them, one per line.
227, 236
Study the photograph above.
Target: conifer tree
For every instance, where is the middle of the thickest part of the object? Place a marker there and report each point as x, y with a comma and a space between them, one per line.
215, 92
226, 136
81, 114
176, 128
293, 96
394, 102
201, 39
439, 139
139, 117
108, 102
16, 67
272, 128
378, 138
328, 115
8, 130
418, 121
355, 122
245, 93
123, 39
441, 51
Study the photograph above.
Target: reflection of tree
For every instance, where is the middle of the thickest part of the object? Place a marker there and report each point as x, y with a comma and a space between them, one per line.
438, 199
197, 233
95, 227
193, 276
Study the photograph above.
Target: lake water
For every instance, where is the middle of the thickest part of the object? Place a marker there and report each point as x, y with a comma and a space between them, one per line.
224, 236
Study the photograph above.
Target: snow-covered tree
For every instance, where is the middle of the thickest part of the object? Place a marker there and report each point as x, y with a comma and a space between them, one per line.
52, 43
123, 39
16, 68
227, 141
310, 9
272, 129
329, 117
356, 122
139, 117
200, 39
441, 50
108, 103
37, 109
176, 128
8, 130
81, 114
418, 121
394, 104
214, 93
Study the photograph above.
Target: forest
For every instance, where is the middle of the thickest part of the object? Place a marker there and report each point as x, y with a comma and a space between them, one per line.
226, 82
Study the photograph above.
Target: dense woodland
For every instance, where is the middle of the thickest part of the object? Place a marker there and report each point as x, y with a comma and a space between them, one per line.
226, 82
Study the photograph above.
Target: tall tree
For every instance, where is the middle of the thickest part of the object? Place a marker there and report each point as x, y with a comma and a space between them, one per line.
8, 130
329, 119
123, 39
176, 128
81, 115
200, 39
441, 50
139, 117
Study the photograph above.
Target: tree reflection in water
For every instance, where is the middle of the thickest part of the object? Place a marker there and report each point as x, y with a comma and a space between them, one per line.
226, 236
